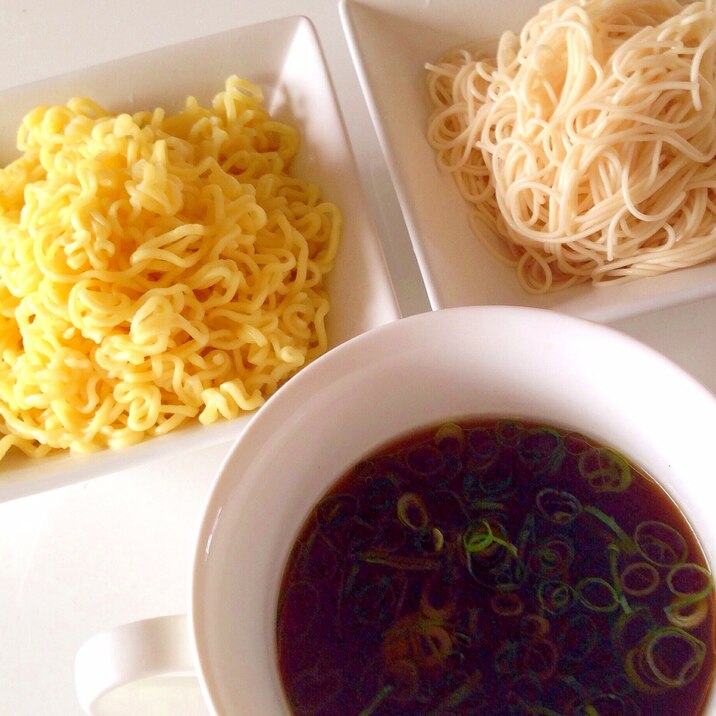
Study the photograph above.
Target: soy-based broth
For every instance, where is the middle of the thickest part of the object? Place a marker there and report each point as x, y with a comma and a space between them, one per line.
496, 567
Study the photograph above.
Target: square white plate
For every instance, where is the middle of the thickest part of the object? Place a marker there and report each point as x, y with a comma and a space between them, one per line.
284, 57
391, 40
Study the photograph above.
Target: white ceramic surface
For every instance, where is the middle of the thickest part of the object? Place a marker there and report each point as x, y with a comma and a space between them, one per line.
391, 40
140, 669
463, 362
285, 58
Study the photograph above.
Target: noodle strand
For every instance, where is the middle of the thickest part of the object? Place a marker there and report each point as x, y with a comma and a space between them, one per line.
585, 145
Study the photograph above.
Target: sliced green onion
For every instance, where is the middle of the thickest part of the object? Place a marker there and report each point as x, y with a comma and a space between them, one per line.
459, 695
449, 433
438, 539
381, 696
684, 672
509, 433
639, 579
690, 606
637, 672
631, 628
424, 460
542, 450
534, 627
597, 594
336, 510
552, 557
480, 539
605, 470
604, 703
555, 597
482, 450
691, 572
625, 542
687, 616
576, 444
494, 485
614, 552
507, 604
660, 544
526, 535
412, 511
558, 506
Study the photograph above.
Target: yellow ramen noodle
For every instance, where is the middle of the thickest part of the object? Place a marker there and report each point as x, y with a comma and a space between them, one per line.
154, 269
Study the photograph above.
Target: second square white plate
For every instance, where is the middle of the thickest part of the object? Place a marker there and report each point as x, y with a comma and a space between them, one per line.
284, 57
391, 40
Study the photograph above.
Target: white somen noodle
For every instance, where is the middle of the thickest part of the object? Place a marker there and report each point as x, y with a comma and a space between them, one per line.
585, 145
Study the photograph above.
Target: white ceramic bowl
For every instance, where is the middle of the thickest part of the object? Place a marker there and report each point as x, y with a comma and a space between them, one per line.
495, 361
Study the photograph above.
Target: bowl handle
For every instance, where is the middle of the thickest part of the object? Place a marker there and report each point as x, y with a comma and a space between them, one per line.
144, 667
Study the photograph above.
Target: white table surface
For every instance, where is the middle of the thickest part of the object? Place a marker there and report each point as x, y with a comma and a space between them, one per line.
87, 557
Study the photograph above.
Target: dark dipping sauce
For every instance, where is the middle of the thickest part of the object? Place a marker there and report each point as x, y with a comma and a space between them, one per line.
496, 567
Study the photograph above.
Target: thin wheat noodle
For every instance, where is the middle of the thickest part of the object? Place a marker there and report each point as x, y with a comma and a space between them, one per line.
584, 146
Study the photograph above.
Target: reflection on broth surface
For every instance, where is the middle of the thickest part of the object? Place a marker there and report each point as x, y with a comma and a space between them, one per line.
496, 567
